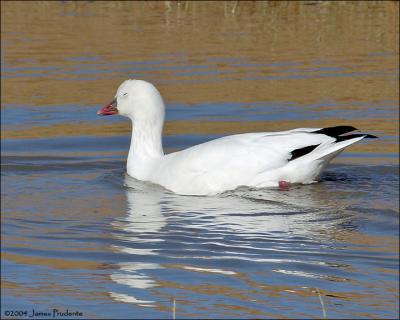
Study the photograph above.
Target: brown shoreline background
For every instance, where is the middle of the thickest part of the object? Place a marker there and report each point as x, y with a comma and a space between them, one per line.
245, 46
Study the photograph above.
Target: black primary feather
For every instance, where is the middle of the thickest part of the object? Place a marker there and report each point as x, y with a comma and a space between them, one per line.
335, 131
297, 153
351, 136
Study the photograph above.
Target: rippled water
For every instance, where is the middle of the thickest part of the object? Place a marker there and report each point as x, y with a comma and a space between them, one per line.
79, 234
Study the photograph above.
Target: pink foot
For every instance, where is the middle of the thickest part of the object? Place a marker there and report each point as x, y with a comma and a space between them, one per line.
284, 185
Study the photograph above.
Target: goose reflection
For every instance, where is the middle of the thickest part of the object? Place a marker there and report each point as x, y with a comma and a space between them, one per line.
144, 218
243, 211
179, 230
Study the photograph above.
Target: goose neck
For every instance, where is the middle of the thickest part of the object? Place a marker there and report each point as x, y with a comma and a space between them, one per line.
146, 141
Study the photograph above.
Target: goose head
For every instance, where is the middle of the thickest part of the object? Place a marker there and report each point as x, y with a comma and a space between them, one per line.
138, 100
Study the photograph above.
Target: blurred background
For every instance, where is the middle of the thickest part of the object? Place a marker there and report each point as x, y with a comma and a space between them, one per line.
222, 67
78, 234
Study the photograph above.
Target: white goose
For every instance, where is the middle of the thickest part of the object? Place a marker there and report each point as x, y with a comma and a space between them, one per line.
261, 159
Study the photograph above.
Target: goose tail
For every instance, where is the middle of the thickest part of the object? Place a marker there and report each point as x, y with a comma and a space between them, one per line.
331, 150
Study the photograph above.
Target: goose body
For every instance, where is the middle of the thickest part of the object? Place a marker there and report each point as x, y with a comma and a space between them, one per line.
262, 159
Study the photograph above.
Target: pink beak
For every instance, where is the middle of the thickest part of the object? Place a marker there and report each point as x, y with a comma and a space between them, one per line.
109, 109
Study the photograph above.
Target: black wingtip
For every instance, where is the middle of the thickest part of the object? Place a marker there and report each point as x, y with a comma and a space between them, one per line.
336, 131
357, 135
297, 153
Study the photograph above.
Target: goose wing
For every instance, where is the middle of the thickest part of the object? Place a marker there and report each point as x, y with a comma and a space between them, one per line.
231, 161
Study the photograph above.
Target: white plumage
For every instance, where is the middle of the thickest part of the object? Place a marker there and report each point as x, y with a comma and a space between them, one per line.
261, 159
